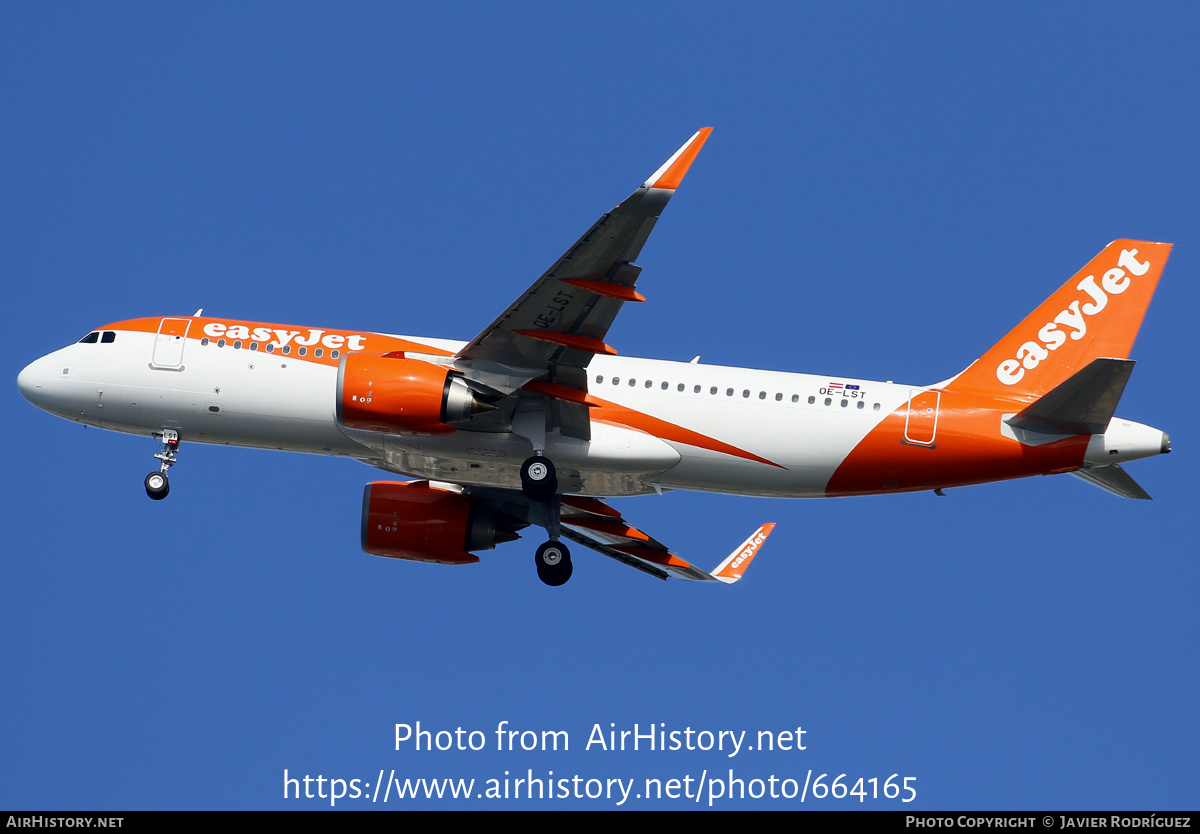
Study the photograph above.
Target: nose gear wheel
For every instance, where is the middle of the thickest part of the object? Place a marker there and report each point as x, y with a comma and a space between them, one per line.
157, 485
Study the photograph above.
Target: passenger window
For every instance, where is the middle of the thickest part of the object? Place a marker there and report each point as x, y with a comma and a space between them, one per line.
828, 401
599, 379
302, 351
779, 398
334, 354
680, 388
762, 395
650, 384
713, 390
812, 400
254, 346
616, 380
729, 392
876, 406
270, 347
204, 342
666, 385
845, 403
632, 382
287, 349
237, 345
318, 353
220, 343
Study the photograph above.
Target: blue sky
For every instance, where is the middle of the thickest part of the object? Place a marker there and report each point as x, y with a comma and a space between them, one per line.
888, 190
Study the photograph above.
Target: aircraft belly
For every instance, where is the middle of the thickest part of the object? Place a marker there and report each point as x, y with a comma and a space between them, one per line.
615, 462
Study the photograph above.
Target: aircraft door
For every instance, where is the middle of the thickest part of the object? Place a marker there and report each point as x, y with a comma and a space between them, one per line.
168, 344
920, 424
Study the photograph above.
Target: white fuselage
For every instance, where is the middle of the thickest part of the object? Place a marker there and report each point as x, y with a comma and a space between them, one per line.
658, 425
237, 397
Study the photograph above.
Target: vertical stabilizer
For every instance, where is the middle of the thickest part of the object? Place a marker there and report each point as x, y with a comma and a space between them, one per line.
1096, 314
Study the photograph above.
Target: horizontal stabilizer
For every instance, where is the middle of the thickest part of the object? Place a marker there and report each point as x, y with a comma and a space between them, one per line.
1114, 479
1081, 404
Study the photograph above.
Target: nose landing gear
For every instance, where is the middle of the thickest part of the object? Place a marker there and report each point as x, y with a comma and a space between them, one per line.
157, 485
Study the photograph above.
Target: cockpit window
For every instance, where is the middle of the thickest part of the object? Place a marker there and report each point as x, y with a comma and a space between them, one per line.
107, 337
90, 339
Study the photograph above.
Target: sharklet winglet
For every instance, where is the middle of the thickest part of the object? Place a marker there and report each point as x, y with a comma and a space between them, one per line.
736, 563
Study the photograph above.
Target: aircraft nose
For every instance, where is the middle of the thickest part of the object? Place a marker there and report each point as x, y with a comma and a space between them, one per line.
29, 381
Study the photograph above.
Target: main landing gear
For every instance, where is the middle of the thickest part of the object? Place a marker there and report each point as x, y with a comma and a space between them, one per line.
540, 485
553, 562
538, 481
157, 485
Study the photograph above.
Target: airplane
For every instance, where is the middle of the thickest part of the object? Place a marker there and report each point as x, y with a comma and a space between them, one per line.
537, 420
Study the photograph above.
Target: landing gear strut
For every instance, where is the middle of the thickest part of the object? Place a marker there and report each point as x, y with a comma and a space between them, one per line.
157, 485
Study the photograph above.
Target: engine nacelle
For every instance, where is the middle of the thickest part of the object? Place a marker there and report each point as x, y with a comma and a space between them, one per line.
393, 394
413, 520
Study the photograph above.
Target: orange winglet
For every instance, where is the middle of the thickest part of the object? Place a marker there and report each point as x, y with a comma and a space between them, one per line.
678, 165
570, 340
737, 562
617, 291
590, 505
562, 392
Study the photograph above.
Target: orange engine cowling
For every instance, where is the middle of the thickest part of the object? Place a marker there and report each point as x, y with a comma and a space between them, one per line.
413, 520
390, 393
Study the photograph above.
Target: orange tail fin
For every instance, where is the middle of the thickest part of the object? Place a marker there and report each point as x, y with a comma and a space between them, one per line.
1095, 314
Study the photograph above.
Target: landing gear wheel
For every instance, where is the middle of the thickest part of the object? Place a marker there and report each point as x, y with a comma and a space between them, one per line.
553, 563
538, 480
157, 486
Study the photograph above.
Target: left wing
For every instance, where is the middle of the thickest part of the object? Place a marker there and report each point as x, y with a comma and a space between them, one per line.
555, 328
593, 523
